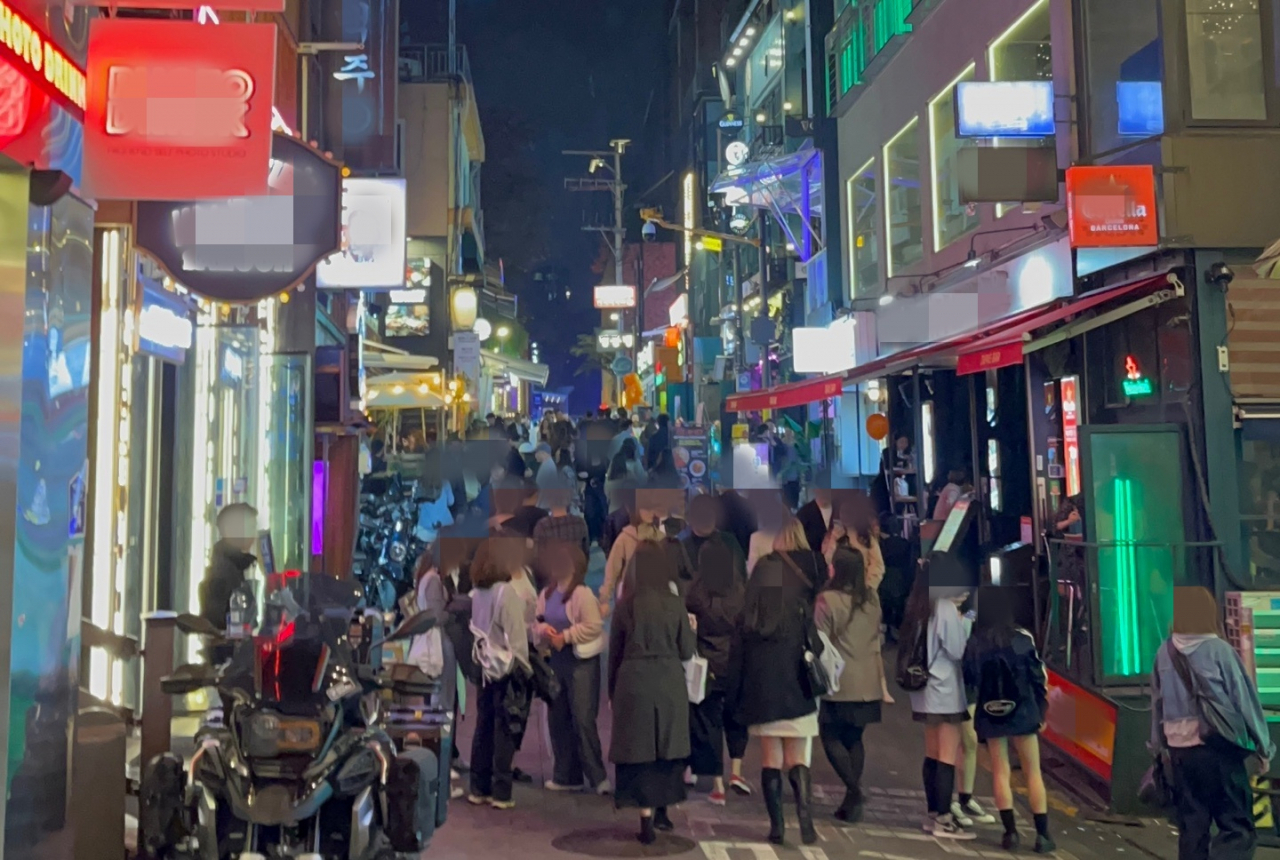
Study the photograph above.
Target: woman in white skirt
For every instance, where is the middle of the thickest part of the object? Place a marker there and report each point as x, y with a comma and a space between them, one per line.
774, 698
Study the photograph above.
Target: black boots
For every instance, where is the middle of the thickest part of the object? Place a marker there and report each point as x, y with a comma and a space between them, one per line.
647, 835
662, 821
803, 788
771, 788
850, 811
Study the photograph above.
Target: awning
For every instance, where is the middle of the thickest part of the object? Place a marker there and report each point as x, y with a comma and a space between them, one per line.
529, 371
785, 396
1012, 339
789, 184
394, 361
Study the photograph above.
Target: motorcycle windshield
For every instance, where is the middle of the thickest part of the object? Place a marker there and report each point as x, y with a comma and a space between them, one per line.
299, 643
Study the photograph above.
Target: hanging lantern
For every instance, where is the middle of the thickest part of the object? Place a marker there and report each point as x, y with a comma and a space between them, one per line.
877, 425
465, 306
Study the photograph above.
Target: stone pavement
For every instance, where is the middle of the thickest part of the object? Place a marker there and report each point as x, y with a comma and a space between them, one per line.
545, 825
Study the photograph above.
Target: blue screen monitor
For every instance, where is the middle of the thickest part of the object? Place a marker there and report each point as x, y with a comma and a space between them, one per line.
1004, 109
1140, 108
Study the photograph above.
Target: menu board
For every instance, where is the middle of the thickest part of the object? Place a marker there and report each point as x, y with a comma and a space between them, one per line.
691, 449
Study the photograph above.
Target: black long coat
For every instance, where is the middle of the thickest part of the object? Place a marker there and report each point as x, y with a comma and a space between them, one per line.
650, 640
777, 626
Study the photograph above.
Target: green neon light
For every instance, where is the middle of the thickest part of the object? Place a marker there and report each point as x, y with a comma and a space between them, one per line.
1126, 611
1140, 387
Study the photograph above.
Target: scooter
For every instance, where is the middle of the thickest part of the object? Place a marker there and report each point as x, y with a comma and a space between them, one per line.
299, 765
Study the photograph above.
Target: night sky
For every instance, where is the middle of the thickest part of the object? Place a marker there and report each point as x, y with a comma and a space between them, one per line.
553, 75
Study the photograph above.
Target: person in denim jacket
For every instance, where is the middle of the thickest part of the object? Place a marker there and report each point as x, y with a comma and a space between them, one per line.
1210, 773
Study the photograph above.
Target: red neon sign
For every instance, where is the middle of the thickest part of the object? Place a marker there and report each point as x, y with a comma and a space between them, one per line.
1071, 431
40, 61
177, 111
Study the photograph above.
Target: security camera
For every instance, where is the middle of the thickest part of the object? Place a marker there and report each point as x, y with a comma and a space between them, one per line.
649, 232
1220, 275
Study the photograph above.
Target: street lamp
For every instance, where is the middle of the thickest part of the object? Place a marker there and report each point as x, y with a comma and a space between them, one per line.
465, 308
503, 332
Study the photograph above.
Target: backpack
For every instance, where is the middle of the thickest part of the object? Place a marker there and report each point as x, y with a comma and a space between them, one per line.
492, 659
913, 662
998, 688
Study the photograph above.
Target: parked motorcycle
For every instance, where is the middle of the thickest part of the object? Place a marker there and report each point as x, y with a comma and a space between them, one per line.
387, 546
299, 764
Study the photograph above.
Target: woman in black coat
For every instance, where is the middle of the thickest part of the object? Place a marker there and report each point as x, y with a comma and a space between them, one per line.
650, 640
774, 698
715, 599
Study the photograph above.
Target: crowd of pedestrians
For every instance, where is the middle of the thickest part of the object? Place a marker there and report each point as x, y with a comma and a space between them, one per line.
711, 611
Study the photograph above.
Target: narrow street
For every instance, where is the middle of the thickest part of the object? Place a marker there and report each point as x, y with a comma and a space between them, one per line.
547, 825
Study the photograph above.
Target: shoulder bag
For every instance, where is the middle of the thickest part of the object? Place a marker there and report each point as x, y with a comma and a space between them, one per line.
822, 664
1221, 727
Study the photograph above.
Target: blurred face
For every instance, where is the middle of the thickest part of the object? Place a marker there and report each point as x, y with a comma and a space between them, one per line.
903, 443
823, 496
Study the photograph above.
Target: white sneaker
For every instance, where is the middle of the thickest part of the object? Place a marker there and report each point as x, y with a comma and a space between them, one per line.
604, 789
945, 827
927, 824
957, 814
973, 810
552, 785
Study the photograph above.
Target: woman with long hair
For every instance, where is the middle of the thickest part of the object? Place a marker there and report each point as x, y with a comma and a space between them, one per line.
848, 612
774, 698
715, 599
647, 514
933, 619
569, 625
625, 471
1210, 771
1012, 698
771, 516
648, 645
498, 610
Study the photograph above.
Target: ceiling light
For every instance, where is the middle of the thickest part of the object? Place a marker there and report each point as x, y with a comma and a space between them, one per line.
787, 106
731, 62
743, 42
751, 31
737, 52
761, 117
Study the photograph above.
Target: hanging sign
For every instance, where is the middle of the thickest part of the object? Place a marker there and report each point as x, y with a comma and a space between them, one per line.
736, 153
1112, 206
1004, 109
613, 297
373, 237
178, 111
360, 85
245, 249
165, 328
1071, 431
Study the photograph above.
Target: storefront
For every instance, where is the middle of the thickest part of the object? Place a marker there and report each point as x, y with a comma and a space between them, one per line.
506, 383
46, 325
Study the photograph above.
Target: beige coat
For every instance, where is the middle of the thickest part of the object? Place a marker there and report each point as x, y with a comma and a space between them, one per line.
856, 636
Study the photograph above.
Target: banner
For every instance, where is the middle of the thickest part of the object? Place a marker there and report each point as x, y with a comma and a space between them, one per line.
178, 111
360, 86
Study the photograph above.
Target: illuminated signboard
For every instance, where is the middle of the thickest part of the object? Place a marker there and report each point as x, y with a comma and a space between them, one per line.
245, 249
615, 297
41, 60
1071, 431
373, 247
1139, 108
1112, 206
164, 328
1136, 383
178, 111
1004, 109
360, 85
736, 153
678, 313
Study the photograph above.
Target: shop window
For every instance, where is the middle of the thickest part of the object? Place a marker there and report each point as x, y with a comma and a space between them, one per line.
1260, 501
1224, 60
993, 398
993, 470
951, 217
1124, 73
1023, 53
902, 202
864, 238
408, 320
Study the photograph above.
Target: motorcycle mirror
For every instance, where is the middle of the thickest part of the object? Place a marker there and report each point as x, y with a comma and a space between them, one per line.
188, 679
415, 626
194, 625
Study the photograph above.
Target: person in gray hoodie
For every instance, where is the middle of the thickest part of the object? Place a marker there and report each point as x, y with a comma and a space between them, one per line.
1210, 771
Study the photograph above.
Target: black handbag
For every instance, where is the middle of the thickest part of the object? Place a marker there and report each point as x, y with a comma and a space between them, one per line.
1155, 789
817, 682
1221, 728
546, 686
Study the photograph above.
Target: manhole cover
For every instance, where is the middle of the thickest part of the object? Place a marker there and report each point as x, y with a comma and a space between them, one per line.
620, 841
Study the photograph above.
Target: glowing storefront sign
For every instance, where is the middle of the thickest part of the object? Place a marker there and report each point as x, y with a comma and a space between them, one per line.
687, 212
736, 153
373, 227
615, 297
408, 297
1136, 383
1071, 431
1004, 109
678, 313
41, 60
165, 328
178, 111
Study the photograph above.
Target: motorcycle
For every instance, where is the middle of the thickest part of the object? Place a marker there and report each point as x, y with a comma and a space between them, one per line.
299, 765
388, 548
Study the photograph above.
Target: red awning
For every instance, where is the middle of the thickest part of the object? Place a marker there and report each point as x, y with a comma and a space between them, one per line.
1004, 347
784, 396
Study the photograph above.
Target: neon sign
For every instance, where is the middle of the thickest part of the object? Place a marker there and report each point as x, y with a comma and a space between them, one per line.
1135, 383
1071, 431
24, 45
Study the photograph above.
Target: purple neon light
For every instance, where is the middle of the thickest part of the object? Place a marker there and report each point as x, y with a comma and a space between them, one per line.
319, 496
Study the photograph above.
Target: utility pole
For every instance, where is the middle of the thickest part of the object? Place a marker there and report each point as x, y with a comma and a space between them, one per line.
617, 148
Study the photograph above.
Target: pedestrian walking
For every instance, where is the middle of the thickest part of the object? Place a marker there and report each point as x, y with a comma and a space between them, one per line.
715, 598
771, 516
649, 642
934, 644
848, 612
562, 524
774, 698
569, 625
1211, 753
625, 472
498, 613
1011, 700
646, 518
